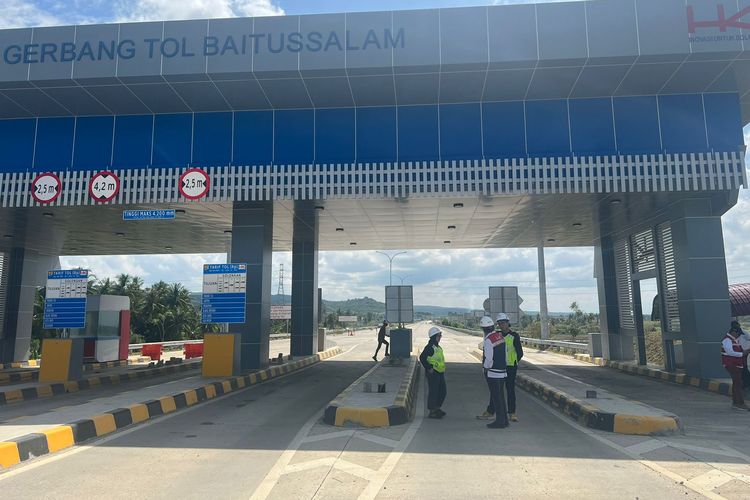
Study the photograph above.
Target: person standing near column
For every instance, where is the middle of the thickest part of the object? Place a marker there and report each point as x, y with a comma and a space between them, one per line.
487, 326
514, 353
732, 356
433, 361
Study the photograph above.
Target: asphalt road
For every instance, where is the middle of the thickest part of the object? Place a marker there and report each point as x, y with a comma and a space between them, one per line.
268, 442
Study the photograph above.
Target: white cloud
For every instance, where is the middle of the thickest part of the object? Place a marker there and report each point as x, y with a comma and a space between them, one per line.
158, 10
19, 13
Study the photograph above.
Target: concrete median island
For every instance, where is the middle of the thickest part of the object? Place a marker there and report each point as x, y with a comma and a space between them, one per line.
356, 407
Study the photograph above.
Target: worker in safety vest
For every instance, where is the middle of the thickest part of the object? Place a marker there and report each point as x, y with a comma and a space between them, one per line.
513, 355
488, 327
433, 360
732, 357
496, 372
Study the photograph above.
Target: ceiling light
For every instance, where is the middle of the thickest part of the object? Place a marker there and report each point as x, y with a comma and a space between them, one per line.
7, 236
49, 215
577, 225
319, 207
551, 240
451, 228
447, 242
353, 243
458, 205
228, 231
179, 211
168, 248
120, 234
339, 229
616, 201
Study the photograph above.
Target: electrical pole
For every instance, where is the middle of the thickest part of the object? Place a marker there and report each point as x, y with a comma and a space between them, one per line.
543, 312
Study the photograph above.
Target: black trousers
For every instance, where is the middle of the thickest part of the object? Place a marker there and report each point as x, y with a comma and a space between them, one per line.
380, 343
436, 390
497, 401
510, 388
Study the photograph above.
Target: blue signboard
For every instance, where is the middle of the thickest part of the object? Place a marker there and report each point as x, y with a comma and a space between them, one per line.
65, 299
148, 214
224, 293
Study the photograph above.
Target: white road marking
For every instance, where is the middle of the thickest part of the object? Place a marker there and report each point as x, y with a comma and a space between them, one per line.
646, 447
47, 459
330, 435
710, 480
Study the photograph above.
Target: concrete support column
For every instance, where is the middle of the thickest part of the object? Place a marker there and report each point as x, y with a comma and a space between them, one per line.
609, 311
543, 312
24, 270
252, 240
702, 289
304, 327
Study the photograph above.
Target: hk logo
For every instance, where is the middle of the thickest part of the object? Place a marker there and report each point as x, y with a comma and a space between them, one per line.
722, 21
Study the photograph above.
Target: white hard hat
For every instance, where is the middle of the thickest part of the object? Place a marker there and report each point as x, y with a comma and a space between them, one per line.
503, 317
434, 331
485, 322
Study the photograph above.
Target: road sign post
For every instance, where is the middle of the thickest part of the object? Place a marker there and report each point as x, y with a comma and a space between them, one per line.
65, 299
224, 293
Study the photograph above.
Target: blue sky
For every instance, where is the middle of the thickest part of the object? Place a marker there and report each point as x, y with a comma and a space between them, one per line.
450, 278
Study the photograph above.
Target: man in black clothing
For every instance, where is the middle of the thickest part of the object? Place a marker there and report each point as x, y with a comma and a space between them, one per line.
381, 340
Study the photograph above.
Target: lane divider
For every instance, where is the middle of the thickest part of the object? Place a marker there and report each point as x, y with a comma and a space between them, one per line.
20, 364
56, 389
58, 438
706, 384
592, 416
32, 375
400, 412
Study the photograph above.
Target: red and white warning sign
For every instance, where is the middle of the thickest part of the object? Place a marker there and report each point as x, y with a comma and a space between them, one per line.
104, 186
45, 188
194, 184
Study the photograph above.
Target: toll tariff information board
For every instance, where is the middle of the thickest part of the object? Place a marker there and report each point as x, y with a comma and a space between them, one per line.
65, 301
224, 292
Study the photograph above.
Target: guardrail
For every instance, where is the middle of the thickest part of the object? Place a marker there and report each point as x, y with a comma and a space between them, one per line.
563, 344
176, 345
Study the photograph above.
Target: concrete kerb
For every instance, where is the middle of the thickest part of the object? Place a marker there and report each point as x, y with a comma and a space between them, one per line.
61, 437
30, 374
400, 412
706, 384
56, 389
593, 417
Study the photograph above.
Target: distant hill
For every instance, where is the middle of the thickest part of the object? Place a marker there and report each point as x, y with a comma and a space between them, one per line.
440, 311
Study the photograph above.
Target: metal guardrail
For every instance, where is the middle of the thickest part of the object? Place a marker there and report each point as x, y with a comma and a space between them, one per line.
575, 346
179, 344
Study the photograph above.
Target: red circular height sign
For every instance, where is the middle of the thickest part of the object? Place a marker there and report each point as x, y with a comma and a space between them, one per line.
194, 183
104, 186
45, 188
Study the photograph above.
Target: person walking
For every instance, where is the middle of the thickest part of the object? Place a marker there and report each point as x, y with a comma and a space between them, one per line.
494, 353
381, 340
732, 357
433, 361
744, 341
513, 355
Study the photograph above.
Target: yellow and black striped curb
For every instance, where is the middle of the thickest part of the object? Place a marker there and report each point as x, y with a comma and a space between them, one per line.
593, 417
92, 367
706, 384
57, 389
61, 437
400, 412
32, 363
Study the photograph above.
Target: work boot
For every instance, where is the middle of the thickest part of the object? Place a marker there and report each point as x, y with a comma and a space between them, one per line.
375, 358
497, 425
485, 416
741, 407
441, 412
434, 414
513, 417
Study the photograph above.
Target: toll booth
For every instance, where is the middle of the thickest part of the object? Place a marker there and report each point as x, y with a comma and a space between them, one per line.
107, 333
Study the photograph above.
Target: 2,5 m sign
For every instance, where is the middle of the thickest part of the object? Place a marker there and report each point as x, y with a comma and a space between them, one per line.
194, 184
46, 188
